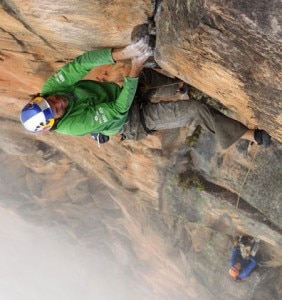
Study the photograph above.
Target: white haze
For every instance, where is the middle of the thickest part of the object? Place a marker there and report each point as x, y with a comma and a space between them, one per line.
42, 264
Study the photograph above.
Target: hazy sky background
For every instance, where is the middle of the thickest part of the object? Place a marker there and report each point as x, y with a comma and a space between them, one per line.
40, 263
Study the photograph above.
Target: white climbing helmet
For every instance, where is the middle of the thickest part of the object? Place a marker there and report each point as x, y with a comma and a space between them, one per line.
37, 115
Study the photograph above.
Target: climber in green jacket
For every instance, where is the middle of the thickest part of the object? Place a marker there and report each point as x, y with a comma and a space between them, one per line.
70, 105
80, 107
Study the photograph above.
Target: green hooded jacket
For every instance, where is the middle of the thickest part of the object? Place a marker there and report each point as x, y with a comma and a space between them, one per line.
100, 107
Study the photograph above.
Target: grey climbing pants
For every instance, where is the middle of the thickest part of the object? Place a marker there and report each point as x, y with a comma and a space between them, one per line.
175, 114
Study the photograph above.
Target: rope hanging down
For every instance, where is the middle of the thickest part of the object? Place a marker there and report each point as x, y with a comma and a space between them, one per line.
246, 177
243, 184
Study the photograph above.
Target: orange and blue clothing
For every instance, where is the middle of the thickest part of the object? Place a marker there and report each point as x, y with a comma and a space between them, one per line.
247, 265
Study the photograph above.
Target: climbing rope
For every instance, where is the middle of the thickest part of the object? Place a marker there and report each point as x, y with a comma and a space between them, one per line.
242, 187
246, 177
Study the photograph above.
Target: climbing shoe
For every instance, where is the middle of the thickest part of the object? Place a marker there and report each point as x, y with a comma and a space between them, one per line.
184, 89
262, 138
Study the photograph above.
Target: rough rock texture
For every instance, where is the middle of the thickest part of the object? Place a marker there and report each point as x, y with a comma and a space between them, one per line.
162, 211
38, 36
231, 50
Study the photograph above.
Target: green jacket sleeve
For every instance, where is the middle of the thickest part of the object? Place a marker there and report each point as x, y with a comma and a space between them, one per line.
125, 98
74, 71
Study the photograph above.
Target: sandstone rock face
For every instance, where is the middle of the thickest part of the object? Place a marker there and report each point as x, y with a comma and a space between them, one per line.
159, 213
38, 36
231, 50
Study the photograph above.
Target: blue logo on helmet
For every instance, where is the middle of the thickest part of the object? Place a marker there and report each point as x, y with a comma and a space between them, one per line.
37, 115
